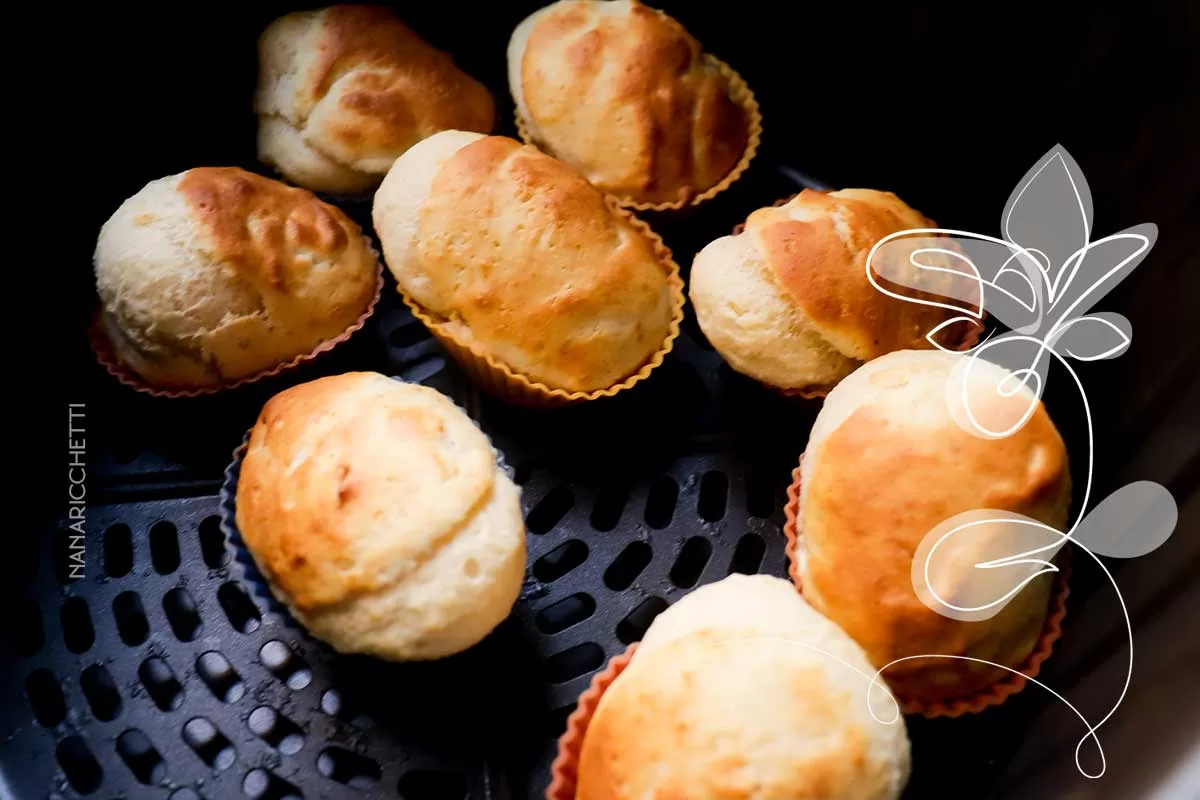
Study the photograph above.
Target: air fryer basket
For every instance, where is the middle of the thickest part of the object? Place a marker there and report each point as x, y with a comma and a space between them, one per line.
169, 671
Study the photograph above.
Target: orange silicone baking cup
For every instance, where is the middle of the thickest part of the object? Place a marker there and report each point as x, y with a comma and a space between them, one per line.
968, 341
564, 771
742, 95
106, 354
499, 379
993, 695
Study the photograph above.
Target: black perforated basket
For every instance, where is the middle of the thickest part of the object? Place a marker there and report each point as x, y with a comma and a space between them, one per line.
163, 671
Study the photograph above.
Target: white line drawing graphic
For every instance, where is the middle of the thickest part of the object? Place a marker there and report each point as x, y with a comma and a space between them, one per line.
1040, 280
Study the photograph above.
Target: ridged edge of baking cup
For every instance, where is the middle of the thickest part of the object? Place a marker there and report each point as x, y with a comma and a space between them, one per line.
500, 380
999, 691
741, 94
564, 771
106, 355
227, 513
966, 343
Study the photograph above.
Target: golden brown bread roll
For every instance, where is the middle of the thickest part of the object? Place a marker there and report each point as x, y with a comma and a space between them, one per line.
523, 259
741, 690
787, 300
216, 274
624, 94
343, 91
377, 513
887, 462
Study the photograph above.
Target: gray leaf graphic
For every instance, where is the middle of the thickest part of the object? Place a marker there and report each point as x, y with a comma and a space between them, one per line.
955, 268
1050, 212
1095, 270
1094, 337
1132, 521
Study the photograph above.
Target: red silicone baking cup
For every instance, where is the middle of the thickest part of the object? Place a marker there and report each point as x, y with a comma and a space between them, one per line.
564, 772
993, 695
966, 343
103, 349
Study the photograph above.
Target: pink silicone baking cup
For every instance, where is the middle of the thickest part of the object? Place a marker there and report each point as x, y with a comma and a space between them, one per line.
999, 691
103, 349
501, 380
564, 771
741, 94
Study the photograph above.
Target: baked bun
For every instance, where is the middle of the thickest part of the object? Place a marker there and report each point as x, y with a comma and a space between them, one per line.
886, 463
742, 690
377, 513
216, 274
524, 260
787, 301
624, 94
344, 90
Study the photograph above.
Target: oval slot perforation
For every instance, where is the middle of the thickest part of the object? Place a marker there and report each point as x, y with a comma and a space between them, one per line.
212, 543
130, 616
117, 553
748, 554
276, 730
78, 764
346, 766
559, 561
574, 662
626, 567
182, 614
283, 662
164, 547
693, 557
635, 624
77, 627
569, 611
101, 692
209, 744
141, 756
760, 495
714, 494
550, 510
220, 677
239, 609
161, 684
45, 698
261, 784
660, 503
610, 505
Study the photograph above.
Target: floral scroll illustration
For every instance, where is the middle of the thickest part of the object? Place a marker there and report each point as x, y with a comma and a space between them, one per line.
1041, 279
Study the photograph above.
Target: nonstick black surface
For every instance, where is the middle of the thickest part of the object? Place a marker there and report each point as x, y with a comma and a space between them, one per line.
166, 673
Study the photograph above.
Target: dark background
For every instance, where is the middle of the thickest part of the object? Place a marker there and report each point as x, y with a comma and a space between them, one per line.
946, 104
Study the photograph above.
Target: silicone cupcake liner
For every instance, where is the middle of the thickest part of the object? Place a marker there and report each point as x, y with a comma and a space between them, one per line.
227, 513
993, 695
743, 96
106, 354
500, 380
966, 342
564, 772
